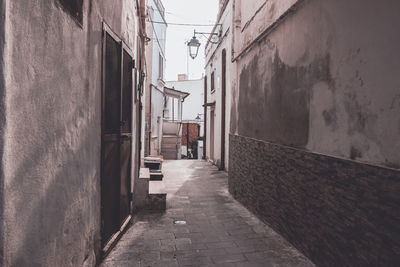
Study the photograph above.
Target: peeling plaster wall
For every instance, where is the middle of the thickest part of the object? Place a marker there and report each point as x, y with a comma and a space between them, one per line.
52, 143
325, 80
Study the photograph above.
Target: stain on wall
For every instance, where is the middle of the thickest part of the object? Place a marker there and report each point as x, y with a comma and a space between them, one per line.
74, 8
319, 81
277, 95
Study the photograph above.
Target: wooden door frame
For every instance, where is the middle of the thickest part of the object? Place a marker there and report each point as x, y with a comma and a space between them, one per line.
123, 46
212, 133
223, 110
205, 120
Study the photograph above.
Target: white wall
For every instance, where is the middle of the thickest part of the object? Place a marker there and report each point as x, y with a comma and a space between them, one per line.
193, 104
155, 85
214, 63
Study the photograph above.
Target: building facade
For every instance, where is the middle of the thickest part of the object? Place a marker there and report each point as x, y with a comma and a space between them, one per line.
315, 125
192, 113
192, 109
155, 64
218, 93
70, 79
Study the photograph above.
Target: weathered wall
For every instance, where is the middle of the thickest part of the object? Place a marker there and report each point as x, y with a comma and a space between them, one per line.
329, 86
52, 140
2, 122
323, 80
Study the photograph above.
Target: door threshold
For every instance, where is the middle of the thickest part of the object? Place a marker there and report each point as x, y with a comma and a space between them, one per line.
116, 237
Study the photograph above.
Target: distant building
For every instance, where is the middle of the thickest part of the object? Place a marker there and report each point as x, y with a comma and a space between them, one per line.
154, 90
192, 110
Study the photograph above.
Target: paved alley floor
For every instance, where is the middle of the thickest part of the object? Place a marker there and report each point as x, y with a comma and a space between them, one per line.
218, 231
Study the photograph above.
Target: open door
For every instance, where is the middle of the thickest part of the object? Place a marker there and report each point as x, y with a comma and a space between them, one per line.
212, 119
116, 144
223, 110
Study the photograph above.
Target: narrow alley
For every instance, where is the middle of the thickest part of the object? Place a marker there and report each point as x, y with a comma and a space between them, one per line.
199, 133
202, 226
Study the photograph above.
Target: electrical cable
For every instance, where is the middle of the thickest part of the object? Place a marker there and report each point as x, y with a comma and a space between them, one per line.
183, 24
158, 40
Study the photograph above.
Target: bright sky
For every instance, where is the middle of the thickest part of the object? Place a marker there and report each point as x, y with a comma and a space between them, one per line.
188, 12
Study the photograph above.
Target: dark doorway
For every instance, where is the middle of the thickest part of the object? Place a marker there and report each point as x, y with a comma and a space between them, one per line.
212, 119
223, 110
117, 98
205, 120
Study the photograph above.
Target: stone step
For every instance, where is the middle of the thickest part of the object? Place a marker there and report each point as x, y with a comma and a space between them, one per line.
170, 140
156, 176
169, 155
168, 146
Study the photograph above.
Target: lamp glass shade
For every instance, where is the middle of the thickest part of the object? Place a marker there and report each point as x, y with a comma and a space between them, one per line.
194, 45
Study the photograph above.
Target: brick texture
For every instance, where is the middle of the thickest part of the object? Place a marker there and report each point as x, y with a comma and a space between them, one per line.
194, 133
337, 212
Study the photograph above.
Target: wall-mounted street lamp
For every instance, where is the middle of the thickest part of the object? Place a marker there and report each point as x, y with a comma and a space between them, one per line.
194, 43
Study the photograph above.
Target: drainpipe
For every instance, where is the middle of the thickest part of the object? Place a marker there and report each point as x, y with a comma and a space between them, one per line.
205, 119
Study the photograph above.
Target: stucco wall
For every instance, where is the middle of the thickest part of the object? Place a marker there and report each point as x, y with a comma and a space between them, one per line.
52, 140
2, 123
330, 86
315, 126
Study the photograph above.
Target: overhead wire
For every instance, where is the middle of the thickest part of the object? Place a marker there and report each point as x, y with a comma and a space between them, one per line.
182, 24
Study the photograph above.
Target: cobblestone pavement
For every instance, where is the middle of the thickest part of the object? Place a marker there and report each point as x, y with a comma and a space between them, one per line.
218, 231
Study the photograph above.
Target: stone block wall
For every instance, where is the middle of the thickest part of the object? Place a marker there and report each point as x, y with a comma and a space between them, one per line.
337, 212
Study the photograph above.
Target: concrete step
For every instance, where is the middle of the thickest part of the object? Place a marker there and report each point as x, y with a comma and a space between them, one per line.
168, 146
156, 176
169, 151
170, 140
169, 155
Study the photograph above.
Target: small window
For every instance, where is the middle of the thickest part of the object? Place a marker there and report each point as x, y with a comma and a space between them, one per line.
74, 8
160, 67
212, 82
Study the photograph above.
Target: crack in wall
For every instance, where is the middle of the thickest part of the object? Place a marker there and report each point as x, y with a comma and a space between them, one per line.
254, 16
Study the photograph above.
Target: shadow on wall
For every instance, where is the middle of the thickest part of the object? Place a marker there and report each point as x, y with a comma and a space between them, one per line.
66, 215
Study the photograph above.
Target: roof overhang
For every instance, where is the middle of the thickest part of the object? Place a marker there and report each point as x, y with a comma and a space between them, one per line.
172, 92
